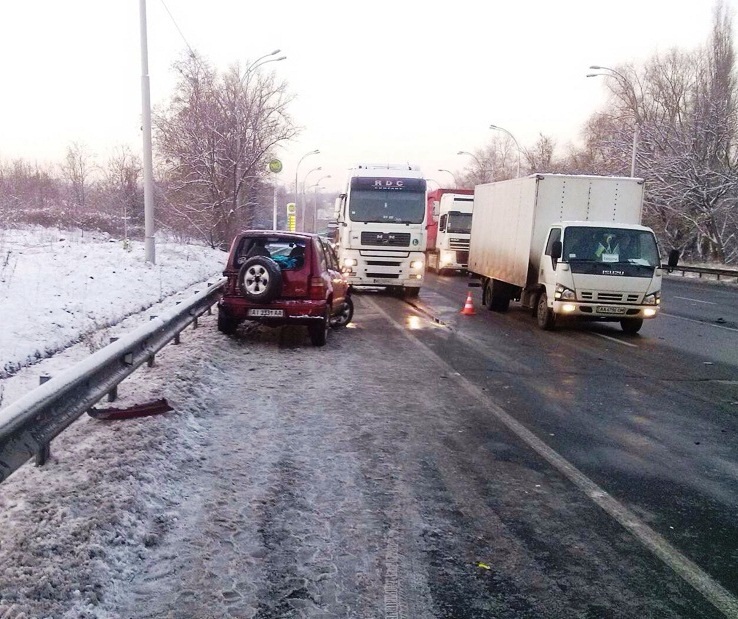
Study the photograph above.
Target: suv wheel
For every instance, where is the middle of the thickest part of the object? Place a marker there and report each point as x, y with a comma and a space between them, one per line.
260, 279
318, 330
345, 314
226, 324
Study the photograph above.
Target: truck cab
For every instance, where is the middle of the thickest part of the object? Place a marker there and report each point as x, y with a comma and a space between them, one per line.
449, 229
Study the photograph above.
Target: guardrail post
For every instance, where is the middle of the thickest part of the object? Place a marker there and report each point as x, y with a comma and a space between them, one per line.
176, 338
113, 393
43, 454
150, 362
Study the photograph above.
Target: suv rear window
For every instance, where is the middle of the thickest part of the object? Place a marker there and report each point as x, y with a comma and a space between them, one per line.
288, 253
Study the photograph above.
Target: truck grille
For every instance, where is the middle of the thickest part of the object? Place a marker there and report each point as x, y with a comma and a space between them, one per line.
609, 297
458, 243
386, 239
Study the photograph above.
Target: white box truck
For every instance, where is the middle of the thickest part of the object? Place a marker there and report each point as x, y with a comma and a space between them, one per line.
566, 245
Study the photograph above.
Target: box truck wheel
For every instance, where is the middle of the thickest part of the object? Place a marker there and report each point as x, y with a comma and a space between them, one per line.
631, 326
496, 296
544, 315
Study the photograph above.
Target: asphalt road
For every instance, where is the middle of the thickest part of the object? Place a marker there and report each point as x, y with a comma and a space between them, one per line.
429, 464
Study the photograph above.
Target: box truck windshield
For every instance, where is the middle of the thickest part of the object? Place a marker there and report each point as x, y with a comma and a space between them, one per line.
620, 246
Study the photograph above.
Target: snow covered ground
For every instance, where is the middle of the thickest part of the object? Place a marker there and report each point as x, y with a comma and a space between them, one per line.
62, 296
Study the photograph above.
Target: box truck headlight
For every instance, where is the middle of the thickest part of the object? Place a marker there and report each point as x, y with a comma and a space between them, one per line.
350, 262
649, 312
652, 299
416, 264
568, 308
563, 293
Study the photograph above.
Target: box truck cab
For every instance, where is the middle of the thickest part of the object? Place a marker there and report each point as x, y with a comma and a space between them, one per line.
449, 214
566, 246
381, 227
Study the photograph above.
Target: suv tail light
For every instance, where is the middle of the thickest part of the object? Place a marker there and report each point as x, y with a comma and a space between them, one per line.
317, 288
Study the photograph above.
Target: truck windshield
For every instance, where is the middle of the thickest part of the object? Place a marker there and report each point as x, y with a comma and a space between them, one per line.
406, 207
615, 245
458, 222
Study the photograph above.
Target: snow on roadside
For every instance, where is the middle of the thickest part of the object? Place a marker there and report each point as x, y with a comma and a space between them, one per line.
59, 287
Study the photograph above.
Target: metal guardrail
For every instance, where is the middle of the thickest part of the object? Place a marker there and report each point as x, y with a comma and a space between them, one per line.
715, 272
28, 425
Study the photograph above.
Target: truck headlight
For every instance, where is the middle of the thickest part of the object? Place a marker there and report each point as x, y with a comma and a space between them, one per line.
652, 299
350, 262
448, 257
563, 293
416, 264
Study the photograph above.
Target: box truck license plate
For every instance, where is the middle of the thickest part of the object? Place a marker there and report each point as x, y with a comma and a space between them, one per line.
604, 309
275, 313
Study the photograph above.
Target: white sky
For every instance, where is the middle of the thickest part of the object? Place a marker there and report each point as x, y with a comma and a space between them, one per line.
376, 81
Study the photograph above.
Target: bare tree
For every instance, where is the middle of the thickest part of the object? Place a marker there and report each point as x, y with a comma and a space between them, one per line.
76, 170
213, 141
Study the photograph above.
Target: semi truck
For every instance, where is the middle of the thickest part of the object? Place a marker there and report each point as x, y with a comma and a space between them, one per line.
449, 214
566, 246
381, 227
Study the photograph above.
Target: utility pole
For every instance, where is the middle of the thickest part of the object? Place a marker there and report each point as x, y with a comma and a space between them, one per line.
149, 228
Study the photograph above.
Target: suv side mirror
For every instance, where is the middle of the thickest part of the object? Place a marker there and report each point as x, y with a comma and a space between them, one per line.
673, 258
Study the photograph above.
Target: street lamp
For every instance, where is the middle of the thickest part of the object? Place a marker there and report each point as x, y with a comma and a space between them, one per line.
513, 139
636, 118
315, 201
297, 167
473, 156
456, 182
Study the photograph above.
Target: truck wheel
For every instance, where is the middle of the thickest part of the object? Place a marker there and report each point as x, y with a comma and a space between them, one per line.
631, 326
495, 296
544, 316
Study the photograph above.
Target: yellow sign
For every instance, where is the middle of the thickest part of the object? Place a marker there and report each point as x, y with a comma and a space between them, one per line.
275, 166
291, 208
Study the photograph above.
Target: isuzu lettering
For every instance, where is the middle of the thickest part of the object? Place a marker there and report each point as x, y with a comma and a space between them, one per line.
566, 246
381, 227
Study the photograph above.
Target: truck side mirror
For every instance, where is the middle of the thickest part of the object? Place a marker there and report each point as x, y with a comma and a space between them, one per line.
556, 251
673, 258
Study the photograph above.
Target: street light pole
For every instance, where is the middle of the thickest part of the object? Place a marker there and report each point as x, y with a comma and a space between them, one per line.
456, 182
482, 170
636, 119
513, 139
297, 186
315, 202
148, 166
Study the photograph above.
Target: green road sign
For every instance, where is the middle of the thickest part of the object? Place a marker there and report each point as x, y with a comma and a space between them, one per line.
275, 166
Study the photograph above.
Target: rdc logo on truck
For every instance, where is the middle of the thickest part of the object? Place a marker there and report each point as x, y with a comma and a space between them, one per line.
388, 183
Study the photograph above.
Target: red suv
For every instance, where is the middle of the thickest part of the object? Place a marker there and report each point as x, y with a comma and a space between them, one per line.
278, 278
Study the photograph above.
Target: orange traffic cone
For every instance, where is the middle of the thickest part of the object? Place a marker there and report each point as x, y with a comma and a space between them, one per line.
468, 306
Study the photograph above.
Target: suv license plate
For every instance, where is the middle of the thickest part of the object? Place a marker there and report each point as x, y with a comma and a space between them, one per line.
604, 309
276, 313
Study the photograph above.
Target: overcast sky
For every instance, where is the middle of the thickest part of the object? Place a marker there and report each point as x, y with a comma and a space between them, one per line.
379, 81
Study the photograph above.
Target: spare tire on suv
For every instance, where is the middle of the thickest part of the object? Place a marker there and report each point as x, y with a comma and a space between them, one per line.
260, 279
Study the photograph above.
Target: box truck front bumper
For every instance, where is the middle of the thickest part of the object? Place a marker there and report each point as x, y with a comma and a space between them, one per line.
604, 311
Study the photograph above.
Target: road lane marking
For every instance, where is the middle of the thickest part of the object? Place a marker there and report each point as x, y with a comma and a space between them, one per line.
689, 571
696, 300
616, 340
700, 322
